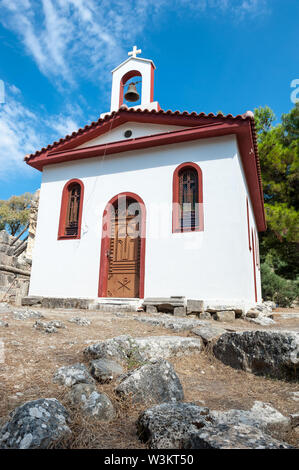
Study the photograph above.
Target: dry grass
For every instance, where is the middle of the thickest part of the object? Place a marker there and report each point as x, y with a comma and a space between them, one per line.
31, 358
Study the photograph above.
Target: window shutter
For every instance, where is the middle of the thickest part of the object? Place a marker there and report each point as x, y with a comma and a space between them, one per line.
72, 215
188, 197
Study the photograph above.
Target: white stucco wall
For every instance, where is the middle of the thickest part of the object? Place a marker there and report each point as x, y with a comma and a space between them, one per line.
144, 66
214, 265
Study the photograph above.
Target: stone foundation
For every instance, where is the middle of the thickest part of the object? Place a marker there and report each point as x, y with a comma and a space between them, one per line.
177, 306
181, 306
55, 302
14, 271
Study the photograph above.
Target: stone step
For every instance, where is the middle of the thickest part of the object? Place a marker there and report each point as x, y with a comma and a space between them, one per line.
117, 305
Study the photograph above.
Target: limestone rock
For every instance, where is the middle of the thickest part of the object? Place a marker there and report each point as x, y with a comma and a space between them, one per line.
155, 382
223, 308
30, 301
265, 308
166, 304
226, 316
179, 311
121, 348
241, 436
273, 353
261, 415
80, 321
105, 370
169, 425
151, 309
4, 307
204, 316
269, 304
32, 223
155, 347
261, 314
71, 375
24, 314
253, 313
194, 306
91, 402
48, 327
3, 324
66, 303
126, 349
262, 320
209, 333
35, 425
170, 322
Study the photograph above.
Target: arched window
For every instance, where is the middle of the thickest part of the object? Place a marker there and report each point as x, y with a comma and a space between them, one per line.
71, 210
187, 212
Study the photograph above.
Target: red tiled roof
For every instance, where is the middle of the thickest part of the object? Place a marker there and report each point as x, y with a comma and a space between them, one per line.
95, 124
124, 114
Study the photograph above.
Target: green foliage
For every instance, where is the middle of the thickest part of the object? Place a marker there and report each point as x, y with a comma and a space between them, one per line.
14, 213
264, 117
283, 221
276, 288
283, 257
279, 245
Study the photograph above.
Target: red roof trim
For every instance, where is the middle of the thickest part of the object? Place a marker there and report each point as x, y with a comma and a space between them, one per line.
124, 115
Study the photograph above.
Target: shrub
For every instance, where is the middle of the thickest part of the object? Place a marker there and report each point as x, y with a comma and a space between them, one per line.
281, 291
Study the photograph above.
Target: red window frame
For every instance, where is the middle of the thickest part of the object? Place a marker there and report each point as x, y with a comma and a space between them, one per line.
176, 211
63, 211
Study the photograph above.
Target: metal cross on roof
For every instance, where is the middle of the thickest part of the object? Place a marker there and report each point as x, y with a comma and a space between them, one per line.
134, 51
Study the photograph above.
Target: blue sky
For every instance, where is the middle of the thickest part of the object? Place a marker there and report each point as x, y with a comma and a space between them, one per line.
211, 55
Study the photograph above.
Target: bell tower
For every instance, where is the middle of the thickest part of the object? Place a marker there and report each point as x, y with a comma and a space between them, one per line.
143, 70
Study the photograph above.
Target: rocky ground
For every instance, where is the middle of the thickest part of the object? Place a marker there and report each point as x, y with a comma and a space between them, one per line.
37, 342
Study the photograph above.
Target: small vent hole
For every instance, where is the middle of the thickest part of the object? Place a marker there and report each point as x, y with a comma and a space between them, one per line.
128, 134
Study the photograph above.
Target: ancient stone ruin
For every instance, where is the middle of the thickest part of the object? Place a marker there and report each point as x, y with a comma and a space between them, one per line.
16, 258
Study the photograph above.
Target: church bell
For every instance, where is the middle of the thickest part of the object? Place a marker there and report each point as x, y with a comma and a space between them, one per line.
132, 94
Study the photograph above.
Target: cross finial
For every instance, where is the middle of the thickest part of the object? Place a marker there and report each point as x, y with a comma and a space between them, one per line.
134, 52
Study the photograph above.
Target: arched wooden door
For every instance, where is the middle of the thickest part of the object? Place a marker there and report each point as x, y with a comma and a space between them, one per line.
123, 248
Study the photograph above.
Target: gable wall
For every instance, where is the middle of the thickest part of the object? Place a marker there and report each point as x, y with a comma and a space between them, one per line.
213, 265
138, 130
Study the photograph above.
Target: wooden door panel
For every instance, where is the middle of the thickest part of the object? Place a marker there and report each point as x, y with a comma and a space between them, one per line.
124, 258
122, 285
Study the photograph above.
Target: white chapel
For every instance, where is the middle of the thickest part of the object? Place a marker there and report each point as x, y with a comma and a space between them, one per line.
150, 203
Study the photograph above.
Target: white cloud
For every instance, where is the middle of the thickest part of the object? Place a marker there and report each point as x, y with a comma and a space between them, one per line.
65, 123
71, 38
23, 131
17, 135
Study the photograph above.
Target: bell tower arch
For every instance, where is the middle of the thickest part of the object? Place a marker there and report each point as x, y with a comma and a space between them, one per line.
134, 67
